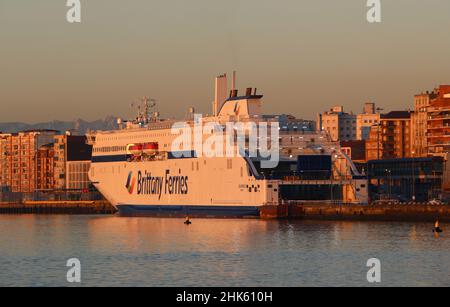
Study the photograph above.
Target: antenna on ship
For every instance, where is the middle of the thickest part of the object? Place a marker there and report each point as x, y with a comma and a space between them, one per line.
149, 103
145, 114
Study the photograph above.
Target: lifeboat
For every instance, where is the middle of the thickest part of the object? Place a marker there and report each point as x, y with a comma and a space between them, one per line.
135, 149
150, 148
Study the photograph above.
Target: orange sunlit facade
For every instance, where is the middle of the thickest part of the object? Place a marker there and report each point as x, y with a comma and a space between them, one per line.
45, 179
438, 123
19, 159
391, 139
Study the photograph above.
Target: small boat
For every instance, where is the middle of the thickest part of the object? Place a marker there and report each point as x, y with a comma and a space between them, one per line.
135, 149
150, 148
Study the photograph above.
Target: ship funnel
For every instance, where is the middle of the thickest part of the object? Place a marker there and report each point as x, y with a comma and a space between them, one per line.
220, 93
233, 83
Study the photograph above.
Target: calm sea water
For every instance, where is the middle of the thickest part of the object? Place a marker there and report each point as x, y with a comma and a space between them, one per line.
117, 251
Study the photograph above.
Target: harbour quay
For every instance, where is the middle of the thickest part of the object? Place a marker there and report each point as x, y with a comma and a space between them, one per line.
413, 212
57, 207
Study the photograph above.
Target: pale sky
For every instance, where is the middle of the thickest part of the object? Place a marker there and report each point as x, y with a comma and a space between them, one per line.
304, 56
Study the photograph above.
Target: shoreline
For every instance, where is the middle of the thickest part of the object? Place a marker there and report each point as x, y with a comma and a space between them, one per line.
58, 207
351, 212
299, 211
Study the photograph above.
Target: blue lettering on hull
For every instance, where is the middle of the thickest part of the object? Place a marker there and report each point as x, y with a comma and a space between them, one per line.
192, 211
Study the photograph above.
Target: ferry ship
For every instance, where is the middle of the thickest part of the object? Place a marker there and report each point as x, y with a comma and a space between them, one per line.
144, 169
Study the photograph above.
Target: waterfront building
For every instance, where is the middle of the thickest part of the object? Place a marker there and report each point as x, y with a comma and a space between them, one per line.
408, 179
373, 144
438, 123
391, 138
45, 179
59, 148
72, 162
419, 122
19, 158
3, 161
42, 160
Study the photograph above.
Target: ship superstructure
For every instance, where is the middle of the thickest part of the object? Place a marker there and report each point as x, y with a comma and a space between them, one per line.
203, 166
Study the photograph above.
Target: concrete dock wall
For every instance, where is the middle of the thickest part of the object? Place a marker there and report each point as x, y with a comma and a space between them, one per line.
316, 211
57, 207
398, 212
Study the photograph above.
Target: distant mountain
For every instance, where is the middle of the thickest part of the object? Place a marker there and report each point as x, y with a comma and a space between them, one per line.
78, 126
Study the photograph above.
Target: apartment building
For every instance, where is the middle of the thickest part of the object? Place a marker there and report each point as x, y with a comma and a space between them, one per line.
438, 123
366, 120
72, 162
45, 168
419, 121
342, 126
339, 125
391, 139
19, 152
3, 161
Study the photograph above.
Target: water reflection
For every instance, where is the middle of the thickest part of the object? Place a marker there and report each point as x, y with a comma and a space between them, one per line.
171, 235
215, 252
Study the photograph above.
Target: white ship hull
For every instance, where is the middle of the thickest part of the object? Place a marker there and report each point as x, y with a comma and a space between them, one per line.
188, 186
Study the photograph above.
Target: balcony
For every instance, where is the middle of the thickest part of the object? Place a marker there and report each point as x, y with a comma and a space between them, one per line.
438, 144
438, 127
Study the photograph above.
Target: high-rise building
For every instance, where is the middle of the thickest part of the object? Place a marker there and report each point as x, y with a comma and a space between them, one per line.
390, 139
4, 138
373, 144
19, 159
42, 160
339, 125
45, 179
438, 123
59, 171
366, 120
419, 122
72, 162
342, 126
